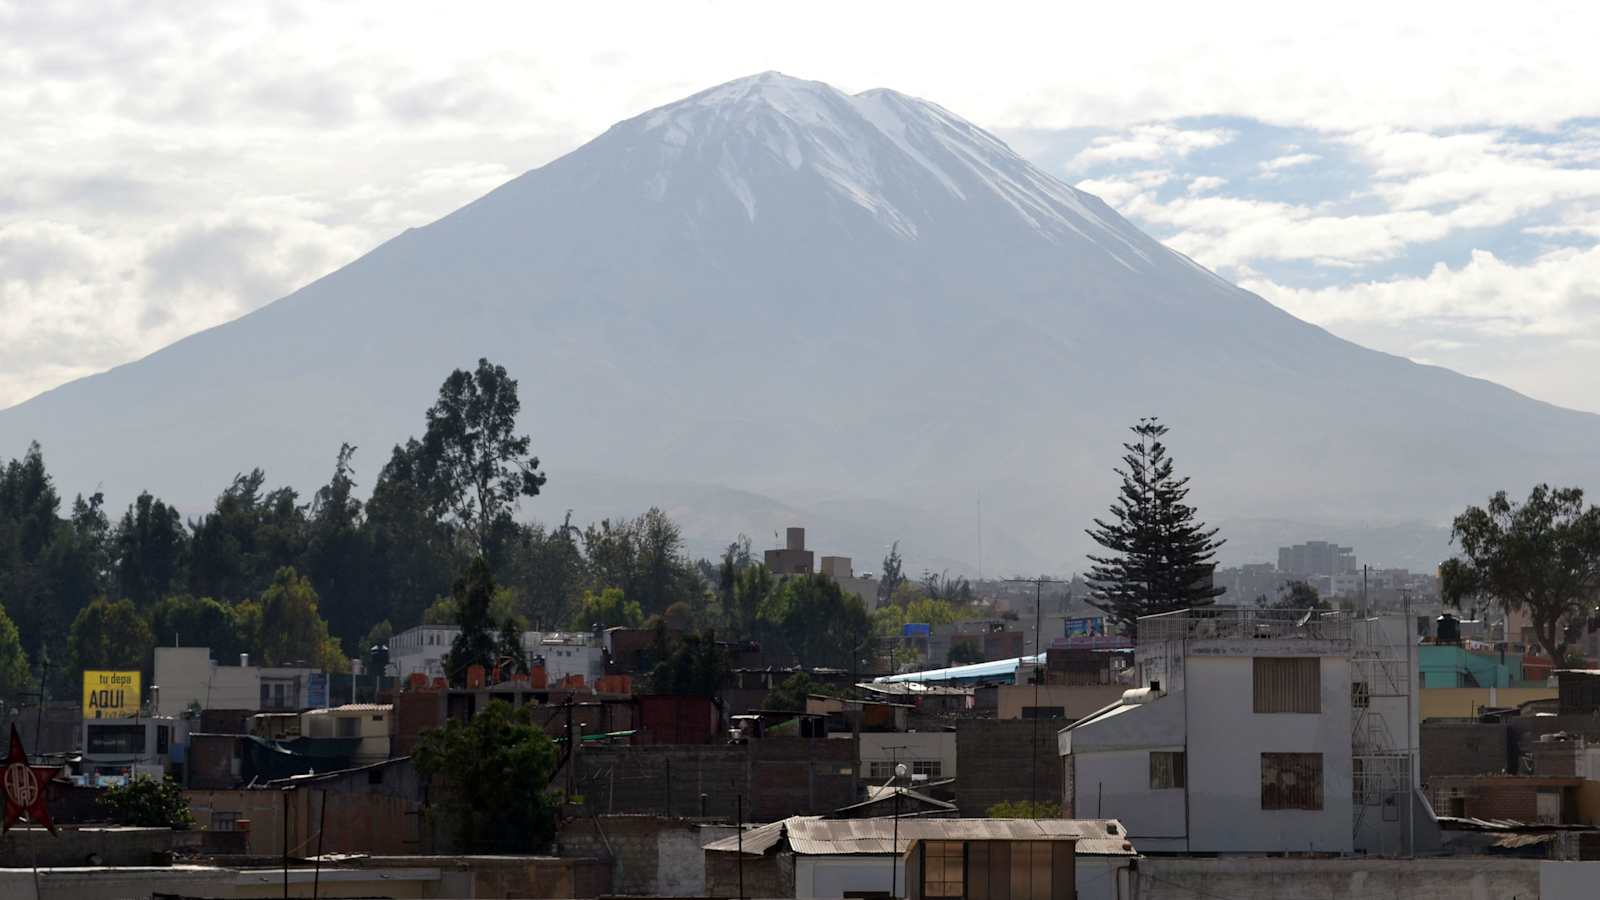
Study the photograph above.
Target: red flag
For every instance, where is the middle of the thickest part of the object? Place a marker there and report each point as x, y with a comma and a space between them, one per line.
25, 788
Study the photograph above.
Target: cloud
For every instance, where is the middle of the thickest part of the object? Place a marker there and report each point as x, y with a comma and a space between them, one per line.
1278, 164
1206, 183
1148, 143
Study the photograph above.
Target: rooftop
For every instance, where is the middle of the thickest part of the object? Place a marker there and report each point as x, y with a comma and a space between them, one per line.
1238, 622
813, 836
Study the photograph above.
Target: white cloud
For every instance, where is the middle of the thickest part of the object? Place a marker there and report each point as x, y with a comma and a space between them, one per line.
1278, 164
1206, 184
1148, 143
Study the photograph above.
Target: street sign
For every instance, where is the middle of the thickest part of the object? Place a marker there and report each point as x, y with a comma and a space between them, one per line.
25, 788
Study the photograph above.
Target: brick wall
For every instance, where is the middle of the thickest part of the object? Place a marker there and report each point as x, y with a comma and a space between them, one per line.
778, 777
769, 875
996, 760
1464, 748
650, 856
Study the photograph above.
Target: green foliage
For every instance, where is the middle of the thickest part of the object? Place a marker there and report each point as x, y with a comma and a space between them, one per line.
197, 622
377, 636
644, 558
151, 546
292, 629
475, 464
495, 773
822, 625
1299, 595
892, 576
1542, 556
1025, 809
607, 609
790, 694
239, 547
148, 803
964, 653
1158, 558
695, 666
110, 634
476, 644
14, 675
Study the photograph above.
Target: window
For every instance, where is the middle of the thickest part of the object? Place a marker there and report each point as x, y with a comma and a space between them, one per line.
1291, 781
943, 869
224, 820
349, 726
1167, 769
122, 740
879, 768
1288, 684
928, 767
1360, 695
1044, 712
163, 737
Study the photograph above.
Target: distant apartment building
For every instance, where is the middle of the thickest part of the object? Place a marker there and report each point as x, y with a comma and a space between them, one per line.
422, 649
793, 558
187, 677
1316, 558
1247, 583
1256, 731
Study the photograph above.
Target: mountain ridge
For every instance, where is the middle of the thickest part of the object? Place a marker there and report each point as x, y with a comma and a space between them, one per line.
797, 306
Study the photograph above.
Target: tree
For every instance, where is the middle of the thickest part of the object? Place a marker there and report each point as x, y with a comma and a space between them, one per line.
791, 693
964, 653
1541, 556
695, 667
14, 673
1160, 559
338, 555
248, 536
376, 636
196, 622
1299, 595
475, 645
1025, 809
150, 546
412, 553
548, 570
821, 624
148, 802
475, 462
607, 609
892, 574
509, 652
110, 635
496, 771
751, 588
292, 628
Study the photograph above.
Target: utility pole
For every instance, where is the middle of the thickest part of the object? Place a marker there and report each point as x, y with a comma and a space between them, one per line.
1038, 673
896, 769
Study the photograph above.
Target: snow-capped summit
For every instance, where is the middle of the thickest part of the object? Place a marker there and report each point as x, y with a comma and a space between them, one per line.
774, 303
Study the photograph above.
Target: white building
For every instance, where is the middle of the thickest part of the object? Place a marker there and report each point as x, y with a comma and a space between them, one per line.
188, 676
422, 650
1254, 732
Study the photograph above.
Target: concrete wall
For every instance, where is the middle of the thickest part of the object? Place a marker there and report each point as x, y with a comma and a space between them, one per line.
999, 762
375, 727
929, 745
770, 875
1342, 879
1115, 784
356, 823
831, 876
649, 855
1225, 743
113, 845
1077, 700
187, 675
778, 777
1467, 703
1464, 748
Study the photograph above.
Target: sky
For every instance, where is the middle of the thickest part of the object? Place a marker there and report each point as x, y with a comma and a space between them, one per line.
1422, 179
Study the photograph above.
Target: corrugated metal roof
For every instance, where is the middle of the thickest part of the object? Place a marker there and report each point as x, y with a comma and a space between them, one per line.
351, 707
811, 836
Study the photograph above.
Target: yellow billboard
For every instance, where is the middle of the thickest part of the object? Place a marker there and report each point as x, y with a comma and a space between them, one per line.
110, 695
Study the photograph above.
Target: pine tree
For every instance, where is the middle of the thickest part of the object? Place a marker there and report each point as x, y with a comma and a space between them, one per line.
476, 643
1159, 558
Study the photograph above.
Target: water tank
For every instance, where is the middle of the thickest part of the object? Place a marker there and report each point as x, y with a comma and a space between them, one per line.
1447, 630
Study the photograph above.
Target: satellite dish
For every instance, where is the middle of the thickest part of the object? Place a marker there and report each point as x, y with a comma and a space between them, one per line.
1304, 619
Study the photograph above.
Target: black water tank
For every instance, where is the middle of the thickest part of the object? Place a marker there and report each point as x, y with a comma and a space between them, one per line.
1448, 630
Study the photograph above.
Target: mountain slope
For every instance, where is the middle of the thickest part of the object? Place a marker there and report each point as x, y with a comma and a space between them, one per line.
809, 297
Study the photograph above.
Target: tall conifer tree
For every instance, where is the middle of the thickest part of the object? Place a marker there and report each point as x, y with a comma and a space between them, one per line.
1158, 558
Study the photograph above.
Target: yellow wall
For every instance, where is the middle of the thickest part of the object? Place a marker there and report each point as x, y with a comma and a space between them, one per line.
1462, 703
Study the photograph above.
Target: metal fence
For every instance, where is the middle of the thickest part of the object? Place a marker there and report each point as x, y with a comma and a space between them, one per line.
1244, 623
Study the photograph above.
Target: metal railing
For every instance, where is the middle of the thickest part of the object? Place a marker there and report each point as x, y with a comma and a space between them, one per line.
1210, 623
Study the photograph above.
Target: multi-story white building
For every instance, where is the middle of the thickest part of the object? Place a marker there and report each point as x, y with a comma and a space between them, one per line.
1255, 731
422, 650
